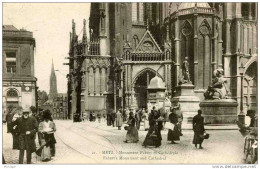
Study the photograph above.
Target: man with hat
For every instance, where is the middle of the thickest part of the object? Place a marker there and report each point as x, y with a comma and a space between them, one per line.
26, 127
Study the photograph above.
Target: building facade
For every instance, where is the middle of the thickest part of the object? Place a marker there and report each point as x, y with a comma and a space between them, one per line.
19, 82
130, 43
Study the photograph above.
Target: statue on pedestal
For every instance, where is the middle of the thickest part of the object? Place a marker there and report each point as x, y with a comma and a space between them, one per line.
218, 89
185, 74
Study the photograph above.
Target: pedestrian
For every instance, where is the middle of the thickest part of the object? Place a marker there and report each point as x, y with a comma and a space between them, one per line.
46, 128
153, 136
127, 112
138, 117
119, 119
145, 119
14, 131
99, 117
179, 115
132, 132
198, 128
26, 127
52, 144
9, 118
174, 134
109, 117
113, 117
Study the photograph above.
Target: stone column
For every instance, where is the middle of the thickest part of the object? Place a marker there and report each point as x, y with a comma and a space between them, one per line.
227, 46
250, 11
177, 51
196, 49
245, 39
94, 75
256, 4
100, 76
250, 38
238, 35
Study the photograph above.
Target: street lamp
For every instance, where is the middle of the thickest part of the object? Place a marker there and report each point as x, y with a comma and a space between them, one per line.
241, 116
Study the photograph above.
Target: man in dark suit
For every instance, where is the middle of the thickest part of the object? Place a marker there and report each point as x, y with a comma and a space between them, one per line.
27, 127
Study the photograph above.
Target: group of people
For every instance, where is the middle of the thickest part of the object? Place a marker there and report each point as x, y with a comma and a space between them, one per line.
25, 127
156, 121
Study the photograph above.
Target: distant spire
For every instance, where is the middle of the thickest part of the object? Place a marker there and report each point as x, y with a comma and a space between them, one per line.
84, 38
73, 28
52, 66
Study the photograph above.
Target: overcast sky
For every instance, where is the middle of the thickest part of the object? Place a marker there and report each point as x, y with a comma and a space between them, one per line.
50, 24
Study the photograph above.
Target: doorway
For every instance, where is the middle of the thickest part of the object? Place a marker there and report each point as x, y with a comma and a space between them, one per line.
140, 88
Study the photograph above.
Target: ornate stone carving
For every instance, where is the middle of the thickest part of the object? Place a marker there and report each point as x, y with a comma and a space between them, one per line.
204, 28
218, 89
184, 77
186, 29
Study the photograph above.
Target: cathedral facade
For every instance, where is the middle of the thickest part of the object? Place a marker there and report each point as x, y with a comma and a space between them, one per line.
130, 43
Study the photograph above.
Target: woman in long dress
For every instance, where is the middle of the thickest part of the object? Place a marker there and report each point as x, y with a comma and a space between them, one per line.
46, 129
119, 119
132, 132
174, 134
145, 119
198, 128
153, 137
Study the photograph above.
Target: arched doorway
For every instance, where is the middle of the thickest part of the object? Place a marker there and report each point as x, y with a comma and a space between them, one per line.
12, 99
250, 88
140, 87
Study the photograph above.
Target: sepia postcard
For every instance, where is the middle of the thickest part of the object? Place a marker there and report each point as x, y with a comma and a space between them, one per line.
130, 83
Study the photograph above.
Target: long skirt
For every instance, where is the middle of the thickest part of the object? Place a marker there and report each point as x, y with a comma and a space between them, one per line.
132, 134
15, 141
153, 137
146, 124
174, 135
197, 139
46, 153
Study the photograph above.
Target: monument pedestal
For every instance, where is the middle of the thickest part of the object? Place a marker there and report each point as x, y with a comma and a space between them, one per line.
189, 103
219, 112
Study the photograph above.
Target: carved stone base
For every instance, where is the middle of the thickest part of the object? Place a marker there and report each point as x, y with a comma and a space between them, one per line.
189, 103
219, 112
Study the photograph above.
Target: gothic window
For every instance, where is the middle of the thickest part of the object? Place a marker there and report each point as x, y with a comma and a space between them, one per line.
135, 41
137, 12
10, 62
134, 12
12, 93
245, 10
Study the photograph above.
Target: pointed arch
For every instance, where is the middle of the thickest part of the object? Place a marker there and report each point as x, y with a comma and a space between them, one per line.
204, 28
186, 29
143, 71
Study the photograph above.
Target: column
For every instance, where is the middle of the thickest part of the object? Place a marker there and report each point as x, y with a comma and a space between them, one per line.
196, 49
227, 46
94, 75
250, 11
238, 35
256, 9
245, 39
100, 76
250, 38
177, 52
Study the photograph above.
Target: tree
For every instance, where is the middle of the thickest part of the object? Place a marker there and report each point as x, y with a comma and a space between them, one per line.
43, 97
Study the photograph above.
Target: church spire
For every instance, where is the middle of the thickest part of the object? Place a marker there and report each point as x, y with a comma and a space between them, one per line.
53, 84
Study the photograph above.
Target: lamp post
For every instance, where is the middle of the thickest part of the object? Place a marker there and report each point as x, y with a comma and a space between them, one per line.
241, 116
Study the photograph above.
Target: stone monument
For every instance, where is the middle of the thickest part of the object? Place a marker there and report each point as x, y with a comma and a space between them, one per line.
185, 95
218, 108
156, 93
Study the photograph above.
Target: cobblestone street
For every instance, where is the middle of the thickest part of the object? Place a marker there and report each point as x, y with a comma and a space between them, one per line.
93, 142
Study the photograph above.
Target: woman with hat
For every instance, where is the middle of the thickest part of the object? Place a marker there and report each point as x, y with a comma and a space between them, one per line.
154, 137
46, 129
132, 132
